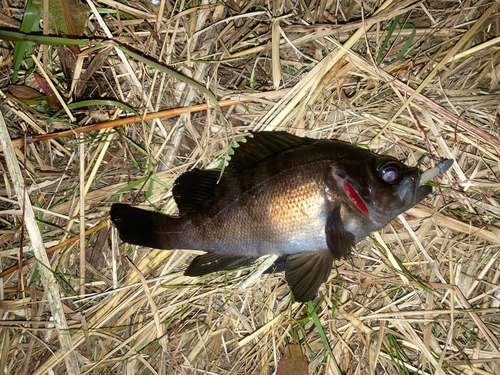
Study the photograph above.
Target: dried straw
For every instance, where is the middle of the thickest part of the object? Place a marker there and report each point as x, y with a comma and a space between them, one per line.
422, 295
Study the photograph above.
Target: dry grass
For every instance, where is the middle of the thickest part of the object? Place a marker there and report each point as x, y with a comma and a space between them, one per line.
422, 296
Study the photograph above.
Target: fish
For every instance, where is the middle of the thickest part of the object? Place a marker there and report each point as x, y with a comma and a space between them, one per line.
309, 201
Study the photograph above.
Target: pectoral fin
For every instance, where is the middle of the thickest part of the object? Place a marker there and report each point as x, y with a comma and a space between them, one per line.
211, 262
305, 272
340, 241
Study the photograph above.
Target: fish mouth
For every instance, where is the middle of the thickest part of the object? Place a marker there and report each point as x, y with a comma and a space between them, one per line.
413, 189
355, 198
410, 191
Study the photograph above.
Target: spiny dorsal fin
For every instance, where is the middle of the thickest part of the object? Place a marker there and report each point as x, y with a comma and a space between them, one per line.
195, 187
262, 145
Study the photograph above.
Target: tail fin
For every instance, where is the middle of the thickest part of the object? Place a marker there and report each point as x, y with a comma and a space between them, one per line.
140, 227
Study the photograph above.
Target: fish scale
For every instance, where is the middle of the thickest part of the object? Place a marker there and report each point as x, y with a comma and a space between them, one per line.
308, 201
270, 222
254, 231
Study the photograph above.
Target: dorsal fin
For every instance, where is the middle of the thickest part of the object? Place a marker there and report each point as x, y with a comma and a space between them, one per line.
193, 188
262, 145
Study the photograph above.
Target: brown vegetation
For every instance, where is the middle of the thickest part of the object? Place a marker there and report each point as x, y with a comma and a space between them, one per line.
421, 296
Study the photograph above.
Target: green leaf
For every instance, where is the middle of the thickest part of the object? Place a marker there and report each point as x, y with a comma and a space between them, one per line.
149, 192
14, 36
388, 38
127, 188
321, 331
31, 21
94, 102
34, 275
159, 181
68, 17
407, 44
139, 148
40, 215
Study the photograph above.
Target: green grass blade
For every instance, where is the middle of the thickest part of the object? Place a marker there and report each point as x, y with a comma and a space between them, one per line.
31, 21
176, 75
321, 331
96, 102
127, 188
408, 42
14, 36
388, 38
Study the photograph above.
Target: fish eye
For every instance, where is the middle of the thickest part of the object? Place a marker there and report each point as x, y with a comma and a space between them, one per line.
389, 172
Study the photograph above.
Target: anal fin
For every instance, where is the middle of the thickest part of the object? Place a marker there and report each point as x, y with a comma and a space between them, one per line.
212, 262
278, 265
305, 272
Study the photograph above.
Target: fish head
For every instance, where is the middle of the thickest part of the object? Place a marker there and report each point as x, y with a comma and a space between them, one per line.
379, 188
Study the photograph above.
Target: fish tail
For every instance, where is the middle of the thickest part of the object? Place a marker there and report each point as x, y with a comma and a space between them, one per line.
144, 228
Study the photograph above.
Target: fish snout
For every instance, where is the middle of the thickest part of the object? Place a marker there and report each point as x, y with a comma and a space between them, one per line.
413, 189
410, 192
